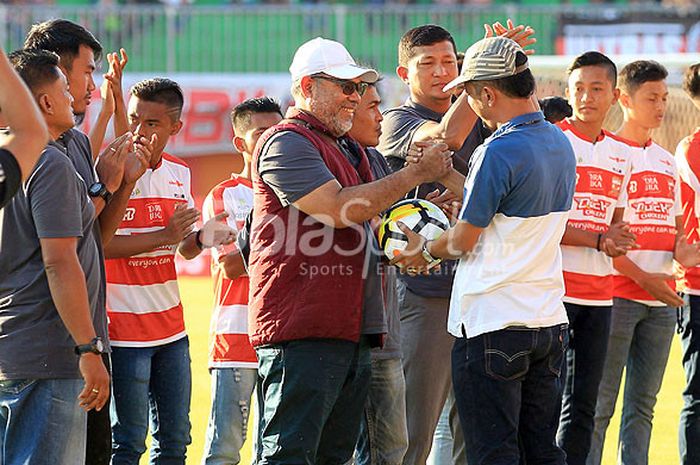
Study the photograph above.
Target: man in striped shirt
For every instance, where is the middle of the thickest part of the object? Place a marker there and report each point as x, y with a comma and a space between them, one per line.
643, 319
150, 359
232, 361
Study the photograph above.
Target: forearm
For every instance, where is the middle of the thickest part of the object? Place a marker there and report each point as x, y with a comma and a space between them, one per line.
444, 246
97, 134
113, 213
628, 268
232, 265
454, 127
360, 203
579, 237
69, 293
121, 122
454, 182
128, 246
188, 247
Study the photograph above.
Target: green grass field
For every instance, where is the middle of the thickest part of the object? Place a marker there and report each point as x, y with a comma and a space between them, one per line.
197, 298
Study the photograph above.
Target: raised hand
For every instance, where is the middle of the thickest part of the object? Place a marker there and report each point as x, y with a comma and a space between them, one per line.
686, 254
447, 201
435, 160
117, 63
520, 34
180, 224
139, 158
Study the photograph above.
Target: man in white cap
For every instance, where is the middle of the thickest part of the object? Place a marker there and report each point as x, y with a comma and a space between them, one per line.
506, 307
313, 310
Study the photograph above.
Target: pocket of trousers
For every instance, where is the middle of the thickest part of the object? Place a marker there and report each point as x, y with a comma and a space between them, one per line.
507, 353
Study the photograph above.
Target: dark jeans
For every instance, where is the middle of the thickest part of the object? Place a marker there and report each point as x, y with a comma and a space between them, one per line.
98, 449
314, 396
689, 434
507, 387
589, 331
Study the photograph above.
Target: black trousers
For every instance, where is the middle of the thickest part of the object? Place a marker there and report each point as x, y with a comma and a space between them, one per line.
99, 430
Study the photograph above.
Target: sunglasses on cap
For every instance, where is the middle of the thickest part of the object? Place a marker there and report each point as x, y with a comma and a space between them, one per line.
348, 87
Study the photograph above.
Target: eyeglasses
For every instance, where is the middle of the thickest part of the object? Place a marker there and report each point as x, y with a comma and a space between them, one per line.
348, 87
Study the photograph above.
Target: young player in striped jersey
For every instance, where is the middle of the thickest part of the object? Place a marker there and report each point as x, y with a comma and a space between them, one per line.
643, 319
688, 159
602, 173
232, 361
150, 361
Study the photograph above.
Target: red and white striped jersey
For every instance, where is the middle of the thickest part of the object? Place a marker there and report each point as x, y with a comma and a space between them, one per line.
688, 160
143, 299
654, 202
602, 173
229, 345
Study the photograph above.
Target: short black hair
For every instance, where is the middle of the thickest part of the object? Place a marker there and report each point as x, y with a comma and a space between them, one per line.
638, 72
64, 38
521, 85
555, 108
37, 68
593, 58
691, 81
241, 113
421, 36
161, 90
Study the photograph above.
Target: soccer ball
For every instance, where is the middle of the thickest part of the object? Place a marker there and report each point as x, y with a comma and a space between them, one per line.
423, 217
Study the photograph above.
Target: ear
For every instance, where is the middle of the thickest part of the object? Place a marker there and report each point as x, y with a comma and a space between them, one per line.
306, 85
616, 95
402, 73
175, 129
623, 98
566, 93
45, 104
239, 144
488, 96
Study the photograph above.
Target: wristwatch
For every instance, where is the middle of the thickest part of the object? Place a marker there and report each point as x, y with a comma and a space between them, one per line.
96, 346
428, 257
100, 190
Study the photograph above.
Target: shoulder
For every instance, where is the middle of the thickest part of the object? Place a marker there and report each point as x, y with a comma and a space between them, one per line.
54, 164
175, 160
402, 114
289, 138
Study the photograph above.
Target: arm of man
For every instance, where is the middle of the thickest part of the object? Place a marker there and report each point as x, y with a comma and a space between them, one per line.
28, 133
227, 257
655, 284
294, 169
454, 127
69, 293
59, 222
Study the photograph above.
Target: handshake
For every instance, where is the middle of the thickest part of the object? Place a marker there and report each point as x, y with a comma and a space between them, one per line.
430, 160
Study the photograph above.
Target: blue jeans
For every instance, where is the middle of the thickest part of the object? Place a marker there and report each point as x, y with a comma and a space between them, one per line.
589, 331
640, 341
41, 422
314, 395
155, 383
507, 386
689, 434
231, 391
383, 437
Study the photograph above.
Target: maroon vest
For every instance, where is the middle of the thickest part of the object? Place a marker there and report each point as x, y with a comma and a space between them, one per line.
306, 279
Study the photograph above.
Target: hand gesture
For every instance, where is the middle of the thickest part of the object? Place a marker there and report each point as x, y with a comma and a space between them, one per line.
617, 240
107, 97
520, 34
216, 232
656, 284
447, 201
96, 390
180, 224
117, 63
686, 254
110, 163
411, 260
139, 159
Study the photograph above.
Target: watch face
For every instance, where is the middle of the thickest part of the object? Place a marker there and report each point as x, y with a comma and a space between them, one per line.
100, 345
95, 189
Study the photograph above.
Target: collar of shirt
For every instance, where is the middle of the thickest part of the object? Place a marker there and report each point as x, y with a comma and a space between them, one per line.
424, 112
518, 121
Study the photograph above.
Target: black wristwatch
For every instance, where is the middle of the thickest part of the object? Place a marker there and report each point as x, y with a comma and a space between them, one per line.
95, 346
100, 190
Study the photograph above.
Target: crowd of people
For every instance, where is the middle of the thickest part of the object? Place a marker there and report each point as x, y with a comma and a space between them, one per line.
559, 272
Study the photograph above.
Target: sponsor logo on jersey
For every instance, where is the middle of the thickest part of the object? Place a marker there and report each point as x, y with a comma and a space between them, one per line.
652, 209
596, 208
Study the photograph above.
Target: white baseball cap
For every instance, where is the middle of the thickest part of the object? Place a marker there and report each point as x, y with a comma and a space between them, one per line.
321, 55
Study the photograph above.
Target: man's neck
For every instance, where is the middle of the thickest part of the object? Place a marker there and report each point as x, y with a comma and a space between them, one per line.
591, 130
438, 106
245, 173
634, 132
155, 159
56, 132
513, 109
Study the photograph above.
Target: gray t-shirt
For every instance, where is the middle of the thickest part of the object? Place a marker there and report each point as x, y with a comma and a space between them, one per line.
78, 148
34, 342
392, 344
398, 128
293, 167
